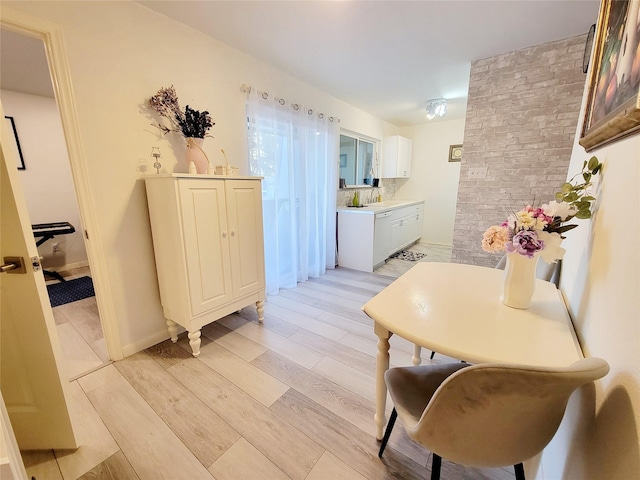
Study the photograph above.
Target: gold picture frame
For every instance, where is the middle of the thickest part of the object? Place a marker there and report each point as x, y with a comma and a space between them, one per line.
455, 152
613, 102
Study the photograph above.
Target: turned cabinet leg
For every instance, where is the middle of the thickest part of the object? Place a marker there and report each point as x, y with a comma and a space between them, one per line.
173, 330
194, 341
260, 310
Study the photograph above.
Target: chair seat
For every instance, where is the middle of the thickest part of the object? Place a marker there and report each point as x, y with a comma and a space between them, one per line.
411, 388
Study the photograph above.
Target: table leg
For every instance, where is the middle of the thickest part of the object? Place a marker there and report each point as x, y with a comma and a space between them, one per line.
417, 359
382, 365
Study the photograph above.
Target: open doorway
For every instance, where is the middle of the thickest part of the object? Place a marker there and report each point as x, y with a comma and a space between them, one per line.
29, 102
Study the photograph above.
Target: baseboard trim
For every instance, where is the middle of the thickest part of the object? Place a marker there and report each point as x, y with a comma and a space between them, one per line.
147, 342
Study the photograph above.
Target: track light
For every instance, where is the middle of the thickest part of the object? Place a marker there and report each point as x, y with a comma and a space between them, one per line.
436, 108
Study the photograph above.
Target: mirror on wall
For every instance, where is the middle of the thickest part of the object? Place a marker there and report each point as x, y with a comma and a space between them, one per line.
358, 159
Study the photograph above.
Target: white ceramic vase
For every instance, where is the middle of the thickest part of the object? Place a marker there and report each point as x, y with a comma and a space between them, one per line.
196, 154
519, 280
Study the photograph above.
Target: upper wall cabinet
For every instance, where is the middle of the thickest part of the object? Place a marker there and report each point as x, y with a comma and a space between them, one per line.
396, 157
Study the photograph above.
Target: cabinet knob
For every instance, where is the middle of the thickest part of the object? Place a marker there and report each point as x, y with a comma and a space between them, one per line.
233, 233
224, 234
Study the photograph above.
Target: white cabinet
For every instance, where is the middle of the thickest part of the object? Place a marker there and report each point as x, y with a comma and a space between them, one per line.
396, 157
368, 236
406, 226
209, 248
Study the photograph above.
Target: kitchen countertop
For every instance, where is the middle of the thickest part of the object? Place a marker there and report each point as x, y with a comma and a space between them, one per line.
376, 207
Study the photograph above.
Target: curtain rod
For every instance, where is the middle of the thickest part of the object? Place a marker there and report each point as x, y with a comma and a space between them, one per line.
244, 88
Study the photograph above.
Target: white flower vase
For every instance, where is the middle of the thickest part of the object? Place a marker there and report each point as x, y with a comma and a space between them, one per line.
196, 155
519, 280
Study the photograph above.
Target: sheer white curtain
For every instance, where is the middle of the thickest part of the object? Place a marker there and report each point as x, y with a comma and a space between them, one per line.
295, 149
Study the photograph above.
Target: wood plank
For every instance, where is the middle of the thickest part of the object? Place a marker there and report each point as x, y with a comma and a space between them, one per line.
308, 323
204, 433
167, 354
287, 348
116, 467
96, 443
264, 388
341, 401
360, 361
284, 445
345, 441
152, 448
270, 322
331, 467
233, 465
232, 341
78, 357
41, 464
295, 305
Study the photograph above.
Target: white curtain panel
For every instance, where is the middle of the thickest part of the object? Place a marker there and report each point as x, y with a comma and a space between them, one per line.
295, 149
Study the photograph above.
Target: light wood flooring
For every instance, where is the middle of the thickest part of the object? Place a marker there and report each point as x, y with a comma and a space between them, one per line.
290, 399
80, 332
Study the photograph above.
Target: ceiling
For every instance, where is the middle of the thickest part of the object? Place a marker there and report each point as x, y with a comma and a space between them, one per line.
385, 57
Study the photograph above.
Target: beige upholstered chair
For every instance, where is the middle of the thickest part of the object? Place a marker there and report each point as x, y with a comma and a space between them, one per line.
486, 415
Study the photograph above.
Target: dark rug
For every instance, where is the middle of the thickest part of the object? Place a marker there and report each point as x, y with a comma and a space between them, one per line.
408, 255
70, 291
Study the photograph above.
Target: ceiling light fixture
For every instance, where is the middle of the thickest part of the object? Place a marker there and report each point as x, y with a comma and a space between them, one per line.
436, 108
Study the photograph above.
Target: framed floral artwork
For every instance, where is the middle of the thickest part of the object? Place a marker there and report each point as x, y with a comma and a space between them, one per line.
613, 102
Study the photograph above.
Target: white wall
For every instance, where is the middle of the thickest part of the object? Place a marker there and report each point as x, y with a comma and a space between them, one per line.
120, 54
46, 181
433, 178
599, 437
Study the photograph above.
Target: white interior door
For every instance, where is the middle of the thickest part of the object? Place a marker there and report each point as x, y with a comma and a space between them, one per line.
30, 380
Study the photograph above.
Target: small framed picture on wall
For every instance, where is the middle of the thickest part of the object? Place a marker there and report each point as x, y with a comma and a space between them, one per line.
14, 142
455, 153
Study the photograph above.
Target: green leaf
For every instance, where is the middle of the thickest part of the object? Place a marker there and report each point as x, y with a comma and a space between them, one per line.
572, 197
567, 187
593, 163
588, 198
583, 214
565, 228
559, 196
586, 176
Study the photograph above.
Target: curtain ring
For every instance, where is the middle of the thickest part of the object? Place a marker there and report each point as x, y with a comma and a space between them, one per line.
331, 119
295, 106
310, 112
321, 116
265, 95
281, 101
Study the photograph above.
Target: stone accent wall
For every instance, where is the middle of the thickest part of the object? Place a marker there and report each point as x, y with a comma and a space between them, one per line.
522, 114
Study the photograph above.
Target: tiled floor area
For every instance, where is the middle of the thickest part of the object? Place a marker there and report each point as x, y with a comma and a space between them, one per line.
290, 399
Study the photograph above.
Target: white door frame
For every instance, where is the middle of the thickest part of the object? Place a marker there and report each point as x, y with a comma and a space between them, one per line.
51, 35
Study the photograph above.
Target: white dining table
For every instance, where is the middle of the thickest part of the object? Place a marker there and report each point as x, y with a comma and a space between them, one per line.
455, 310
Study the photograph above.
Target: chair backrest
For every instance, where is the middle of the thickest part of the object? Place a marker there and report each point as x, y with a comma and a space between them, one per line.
497, 415
549, 272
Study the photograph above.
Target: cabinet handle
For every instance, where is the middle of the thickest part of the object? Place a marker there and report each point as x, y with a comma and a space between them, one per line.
233, 233
224, 234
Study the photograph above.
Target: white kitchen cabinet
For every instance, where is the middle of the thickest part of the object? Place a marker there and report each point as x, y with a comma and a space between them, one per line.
368, 236
396, 157
209, 248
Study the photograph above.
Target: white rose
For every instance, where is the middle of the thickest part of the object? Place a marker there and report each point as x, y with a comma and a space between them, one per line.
552, 251
555, 209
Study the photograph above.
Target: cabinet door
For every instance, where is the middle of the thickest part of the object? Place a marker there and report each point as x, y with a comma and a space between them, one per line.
246, 241
404, 157
206, 240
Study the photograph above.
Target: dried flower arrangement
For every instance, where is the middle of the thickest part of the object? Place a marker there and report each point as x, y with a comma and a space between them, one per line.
190, 123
